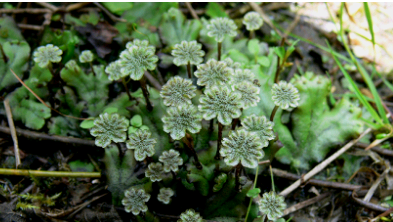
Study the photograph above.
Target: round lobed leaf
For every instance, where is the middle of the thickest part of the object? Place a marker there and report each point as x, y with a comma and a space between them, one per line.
231, 64
261, 126
213, 73
188, 52
171, 160
114, 71
140, 43
242, 147
134, 200
141, 142
222, 103
180, 119
155, 172
178, 91
285, 95
253, 21
221, 27
249, 92
135, 60
190, 216
86, 56
272, 205
109, 127
165, 195
242, 75
43, 55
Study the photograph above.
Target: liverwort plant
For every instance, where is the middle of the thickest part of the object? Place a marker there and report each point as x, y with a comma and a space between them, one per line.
165, 195
213, 73
253, 21
261, 126
285, 96
180, 119
46, 55
87, 56
188, 53
222, 103
231, 64
135, 61
219, 28
134, 201
171, 160
142, 143
272, 205
242, 148
109, 127
178, 91
155, 172
190, 216
114, 73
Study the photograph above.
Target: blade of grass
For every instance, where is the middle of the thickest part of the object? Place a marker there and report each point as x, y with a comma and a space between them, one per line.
363, 73
359, 95
370, 24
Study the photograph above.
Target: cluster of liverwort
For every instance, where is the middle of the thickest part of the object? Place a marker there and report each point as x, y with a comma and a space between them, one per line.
227, 90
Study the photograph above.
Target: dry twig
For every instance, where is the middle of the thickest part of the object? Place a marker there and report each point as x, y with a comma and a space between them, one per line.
43, 136
305, 203
322, 165
192, 11
13, 132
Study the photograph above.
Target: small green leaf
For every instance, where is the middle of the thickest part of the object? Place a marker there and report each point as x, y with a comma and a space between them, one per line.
253, 192
118, 7
280, 51
253, 46
263, 61
215, 10
291, 48
110, 110
132, 130
136, 121
87, 124
237, 56
143, 127
79, 166
381, 136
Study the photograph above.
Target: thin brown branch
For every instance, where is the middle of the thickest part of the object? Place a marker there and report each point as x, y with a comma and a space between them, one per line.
368, 205
109, 14
375, 185
25, 10
192, 11
76, 6
30, 27
153, 81
322, 165
48, 5
13, 132
305, 203
322, 183
43, 136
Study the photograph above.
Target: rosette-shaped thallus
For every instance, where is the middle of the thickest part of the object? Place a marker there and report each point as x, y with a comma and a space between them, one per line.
45, 55
272, 205
134, 200
188, 53
109, 127
142, 143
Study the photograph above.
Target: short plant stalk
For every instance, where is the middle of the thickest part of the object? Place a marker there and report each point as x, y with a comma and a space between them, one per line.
280, 63
146, 94
220, 128
237, 176
121, 153
3, 54
123, 80
189, 70
236, 122
273, 113
188, 143
92, 69
252, 34
255, 184
219, 46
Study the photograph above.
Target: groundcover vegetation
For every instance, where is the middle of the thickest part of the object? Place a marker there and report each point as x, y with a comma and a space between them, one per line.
187, 112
